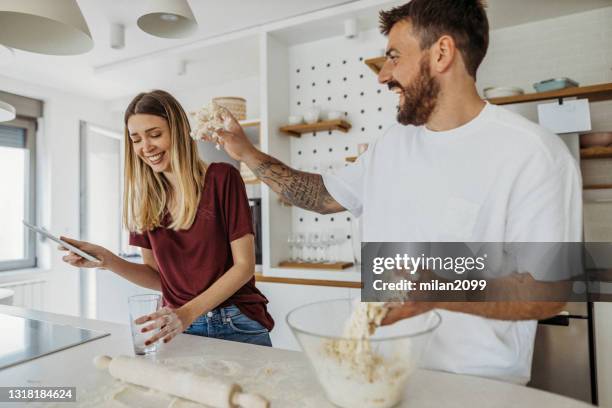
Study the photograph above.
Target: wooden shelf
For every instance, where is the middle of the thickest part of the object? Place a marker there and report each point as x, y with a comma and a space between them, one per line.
350, 159
594, 93
297, 130
249, 122
596, 152
313, 282
307, 265
597, 187
375, 64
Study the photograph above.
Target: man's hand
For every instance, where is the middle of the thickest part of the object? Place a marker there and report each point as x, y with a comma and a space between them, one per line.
170, 322
399, 311
232, 138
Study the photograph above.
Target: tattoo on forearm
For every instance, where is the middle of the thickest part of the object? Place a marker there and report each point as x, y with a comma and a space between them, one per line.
302, 189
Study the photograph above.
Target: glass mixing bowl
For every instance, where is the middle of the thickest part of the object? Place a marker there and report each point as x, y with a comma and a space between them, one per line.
357, 372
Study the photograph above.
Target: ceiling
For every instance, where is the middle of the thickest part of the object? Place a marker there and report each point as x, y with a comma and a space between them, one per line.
80, 73
106, 73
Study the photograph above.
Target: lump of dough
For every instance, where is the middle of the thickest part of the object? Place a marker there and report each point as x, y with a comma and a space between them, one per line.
209, 119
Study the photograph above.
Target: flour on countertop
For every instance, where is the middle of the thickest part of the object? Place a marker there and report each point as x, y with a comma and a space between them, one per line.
281, 382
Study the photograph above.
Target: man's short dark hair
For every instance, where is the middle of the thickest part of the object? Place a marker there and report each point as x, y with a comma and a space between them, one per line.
464, 20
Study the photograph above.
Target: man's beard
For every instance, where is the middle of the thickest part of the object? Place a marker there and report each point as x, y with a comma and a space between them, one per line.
420, 97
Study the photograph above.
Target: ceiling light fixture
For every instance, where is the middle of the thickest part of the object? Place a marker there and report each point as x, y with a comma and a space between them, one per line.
181, 67
7, 112
167, 19
117, 36
350, 28
47, 27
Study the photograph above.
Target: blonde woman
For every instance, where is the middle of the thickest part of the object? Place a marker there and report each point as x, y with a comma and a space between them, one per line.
193, 224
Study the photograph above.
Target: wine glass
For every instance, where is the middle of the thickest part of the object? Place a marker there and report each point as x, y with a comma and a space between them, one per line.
298, 246
313, 242
291, 244
325, 245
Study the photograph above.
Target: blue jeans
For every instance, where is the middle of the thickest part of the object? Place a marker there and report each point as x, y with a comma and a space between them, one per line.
228, 323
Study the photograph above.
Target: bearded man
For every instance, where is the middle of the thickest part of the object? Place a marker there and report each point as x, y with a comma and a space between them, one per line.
455, 168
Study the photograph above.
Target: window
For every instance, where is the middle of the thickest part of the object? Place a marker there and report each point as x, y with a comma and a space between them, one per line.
17, 193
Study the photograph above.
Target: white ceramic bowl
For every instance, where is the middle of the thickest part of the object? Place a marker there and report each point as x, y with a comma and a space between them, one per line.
296, 119
502, 91
312, 115
335, 114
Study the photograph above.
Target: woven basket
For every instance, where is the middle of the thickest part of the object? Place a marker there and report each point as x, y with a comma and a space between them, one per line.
236, 105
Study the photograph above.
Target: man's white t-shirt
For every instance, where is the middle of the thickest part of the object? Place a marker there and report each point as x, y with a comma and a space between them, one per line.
498, 178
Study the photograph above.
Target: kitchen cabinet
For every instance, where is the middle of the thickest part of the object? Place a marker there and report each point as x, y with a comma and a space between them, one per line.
285, 297
561, 355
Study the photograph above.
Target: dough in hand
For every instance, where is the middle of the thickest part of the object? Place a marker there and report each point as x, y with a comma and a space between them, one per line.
209, 119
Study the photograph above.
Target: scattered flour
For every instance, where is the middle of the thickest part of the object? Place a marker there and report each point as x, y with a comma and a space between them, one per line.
279, 381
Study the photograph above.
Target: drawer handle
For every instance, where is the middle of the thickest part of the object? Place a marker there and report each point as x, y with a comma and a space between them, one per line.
559, 320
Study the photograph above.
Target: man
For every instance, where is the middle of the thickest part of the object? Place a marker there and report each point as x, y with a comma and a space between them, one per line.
455, 168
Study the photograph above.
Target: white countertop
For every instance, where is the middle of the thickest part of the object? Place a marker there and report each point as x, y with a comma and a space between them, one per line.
283, 376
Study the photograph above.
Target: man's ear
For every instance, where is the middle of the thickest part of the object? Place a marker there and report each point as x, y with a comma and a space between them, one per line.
443, 54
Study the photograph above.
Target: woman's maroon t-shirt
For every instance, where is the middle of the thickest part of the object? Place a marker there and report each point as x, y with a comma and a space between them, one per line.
190, 261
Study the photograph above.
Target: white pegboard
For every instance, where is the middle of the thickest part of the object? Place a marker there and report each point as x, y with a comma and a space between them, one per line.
331, 74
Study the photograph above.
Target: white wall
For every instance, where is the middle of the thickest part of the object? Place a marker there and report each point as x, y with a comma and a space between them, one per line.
247, 88
194, 98
57, 179
577, 46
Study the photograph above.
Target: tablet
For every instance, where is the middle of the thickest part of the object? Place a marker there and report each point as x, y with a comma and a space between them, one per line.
66, 245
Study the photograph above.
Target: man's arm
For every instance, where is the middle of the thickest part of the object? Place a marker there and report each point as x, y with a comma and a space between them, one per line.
302, 189
518, 310
518, 297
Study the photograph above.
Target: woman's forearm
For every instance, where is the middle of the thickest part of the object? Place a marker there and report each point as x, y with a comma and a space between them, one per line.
140, 274
232, 280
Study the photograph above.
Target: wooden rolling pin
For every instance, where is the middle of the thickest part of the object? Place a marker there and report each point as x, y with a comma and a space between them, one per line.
180, 382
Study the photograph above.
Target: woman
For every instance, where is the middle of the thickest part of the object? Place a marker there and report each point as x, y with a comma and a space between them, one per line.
193, 224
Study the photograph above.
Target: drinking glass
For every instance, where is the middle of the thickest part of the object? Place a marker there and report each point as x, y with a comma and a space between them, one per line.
325, 247
298, 246
337, 238
312, 243
291, 243
140, 305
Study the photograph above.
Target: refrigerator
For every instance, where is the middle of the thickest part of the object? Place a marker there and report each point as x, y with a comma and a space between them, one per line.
564, 354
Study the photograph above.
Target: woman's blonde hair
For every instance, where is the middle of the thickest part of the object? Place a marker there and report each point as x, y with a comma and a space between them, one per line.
147, 193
